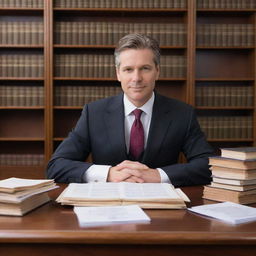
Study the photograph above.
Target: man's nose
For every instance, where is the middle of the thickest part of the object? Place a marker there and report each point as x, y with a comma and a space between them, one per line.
137, 76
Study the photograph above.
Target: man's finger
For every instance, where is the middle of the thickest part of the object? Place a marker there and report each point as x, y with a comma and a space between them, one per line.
132, 165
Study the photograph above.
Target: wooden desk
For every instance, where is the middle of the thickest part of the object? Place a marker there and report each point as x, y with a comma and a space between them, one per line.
53, 229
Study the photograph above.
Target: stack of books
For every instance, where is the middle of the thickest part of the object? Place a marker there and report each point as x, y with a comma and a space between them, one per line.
19, 196
233, 176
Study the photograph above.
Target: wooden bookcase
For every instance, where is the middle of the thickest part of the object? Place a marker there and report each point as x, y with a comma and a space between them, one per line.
22, 50
205, 59
225, 66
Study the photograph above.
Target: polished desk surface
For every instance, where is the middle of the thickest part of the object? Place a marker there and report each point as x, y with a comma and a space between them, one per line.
56, 224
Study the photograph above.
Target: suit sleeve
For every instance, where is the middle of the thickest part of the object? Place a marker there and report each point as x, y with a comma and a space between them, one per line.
197, 151
68, 161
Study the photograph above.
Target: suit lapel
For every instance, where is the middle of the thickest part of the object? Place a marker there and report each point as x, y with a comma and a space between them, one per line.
114, 121
160, 123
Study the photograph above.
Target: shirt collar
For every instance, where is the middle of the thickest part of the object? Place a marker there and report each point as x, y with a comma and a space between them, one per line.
147, 107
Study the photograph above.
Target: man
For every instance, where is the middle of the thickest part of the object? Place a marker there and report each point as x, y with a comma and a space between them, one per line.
105, 130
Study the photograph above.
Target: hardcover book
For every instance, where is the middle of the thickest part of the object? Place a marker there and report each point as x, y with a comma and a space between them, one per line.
223, 195
23, 207
239, 153
233, 163
233, 173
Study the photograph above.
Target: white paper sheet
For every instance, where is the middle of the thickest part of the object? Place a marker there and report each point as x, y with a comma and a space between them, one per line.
227, 211
96, 216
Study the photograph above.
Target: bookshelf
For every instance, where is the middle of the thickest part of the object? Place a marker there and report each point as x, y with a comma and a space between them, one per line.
22, 86
58, 55
224, 91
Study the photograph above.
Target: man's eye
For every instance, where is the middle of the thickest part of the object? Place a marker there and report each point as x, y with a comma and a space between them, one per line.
146, 68
127, 70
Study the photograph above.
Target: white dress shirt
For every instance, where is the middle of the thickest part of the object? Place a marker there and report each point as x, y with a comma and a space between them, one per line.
99, 173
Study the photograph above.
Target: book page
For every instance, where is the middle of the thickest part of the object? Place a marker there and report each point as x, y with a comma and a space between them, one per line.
94, 190
94, 216
227, 211
148, 191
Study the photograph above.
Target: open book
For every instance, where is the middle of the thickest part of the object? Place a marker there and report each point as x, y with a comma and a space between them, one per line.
146, 195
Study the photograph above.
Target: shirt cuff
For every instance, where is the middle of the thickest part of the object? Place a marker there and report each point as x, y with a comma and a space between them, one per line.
96, 173
164, 177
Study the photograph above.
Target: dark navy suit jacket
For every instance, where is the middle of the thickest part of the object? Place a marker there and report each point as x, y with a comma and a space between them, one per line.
100, 132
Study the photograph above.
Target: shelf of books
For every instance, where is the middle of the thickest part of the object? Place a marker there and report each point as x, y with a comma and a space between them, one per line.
122, 4
225, 71
21, 87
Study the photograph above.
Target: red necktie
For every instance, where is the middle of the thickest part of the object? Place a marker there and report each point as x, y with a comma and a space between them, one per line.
137, 136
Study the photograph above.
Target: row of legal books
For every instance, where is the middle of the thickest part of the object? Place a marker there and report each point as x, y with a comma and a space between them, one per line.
22, 32
84, 65
226, 4
120, 4
21, 95
80, 95
108, 33
102, 65
227, 127
215, 4
224, 96
20, 196
22, 3
233, 176
21, 65
225, 35
22, 159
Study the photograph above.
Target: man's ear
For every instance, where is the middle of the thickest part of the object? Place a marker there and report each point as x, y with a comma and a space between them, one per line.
117, 74
158, 72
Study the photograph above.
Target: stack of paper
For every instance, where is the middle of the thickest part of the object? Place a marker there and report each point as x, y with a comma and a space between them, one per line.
146, 195
19, 196
95, 216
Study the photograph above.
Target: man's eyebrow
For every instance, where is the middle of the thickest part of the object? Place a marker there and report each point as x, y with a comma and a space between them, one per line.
125, 67
143, 65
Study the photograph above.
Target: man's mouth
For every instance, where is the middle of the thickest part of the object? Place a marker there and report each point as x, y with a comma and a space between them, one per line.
136, 87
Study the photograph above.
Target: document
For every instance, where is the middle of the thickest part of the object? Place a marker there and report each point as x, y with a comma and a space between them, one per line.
146, 195
227, 211
96, 216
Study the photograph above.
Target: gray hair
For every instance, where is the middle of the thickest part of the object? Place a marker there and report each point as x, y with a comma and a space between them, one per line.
137, 41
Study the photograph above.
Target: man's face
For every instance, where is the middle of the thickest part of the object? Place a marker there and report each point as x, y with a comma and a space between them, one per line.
137, 73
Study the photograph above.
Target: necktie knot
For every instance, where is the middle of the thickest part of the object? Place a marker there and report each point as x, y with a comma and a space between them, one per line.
137, 112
